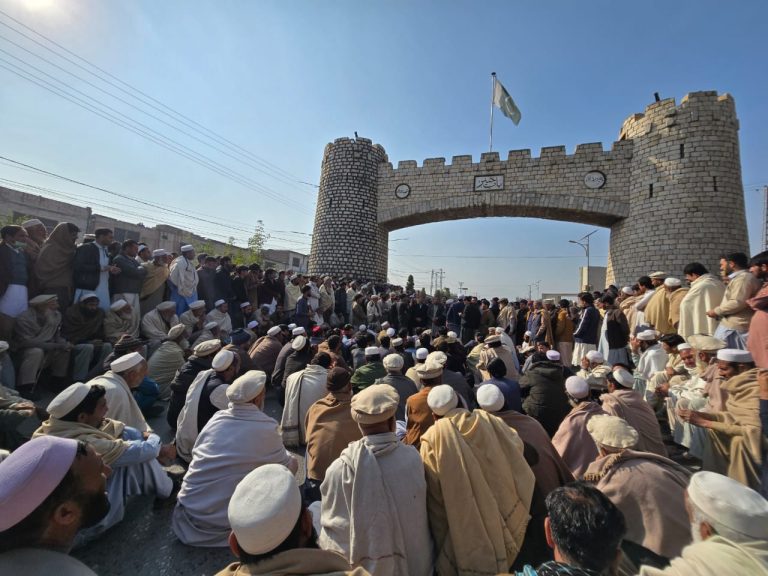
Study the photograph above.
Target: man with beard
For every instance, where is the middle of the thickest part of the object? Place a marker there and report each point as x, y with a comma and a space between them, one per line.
194, 320
234, 442
733, 312
758, 326
49, 489
37, 234
470, 320
183, 279
156, 323
220, 315
521, 324
92, 269
206, 287
83, 326
154, 284
127, 285
200, 360
705, 293
79, 413
117, 321
39, 342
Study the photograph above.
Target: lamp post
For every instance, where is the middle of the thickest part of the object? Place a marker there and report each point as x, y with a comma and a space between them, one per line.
584, 243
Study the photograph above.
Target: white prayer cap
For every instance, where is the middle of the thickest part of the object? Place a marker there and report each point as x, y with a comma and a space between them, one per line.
492, 340
222, 360
187, 248
657, 275
219, 302
628, 290
377, 403
372, 351
595, 356
274, 331
4, 346
43, 299
176, 331
648, 335
673, 282
441, 399
438, 358
734, 355
126, 362
577, 387
264, 508
623, 377
245, 305
490, 398
553, 355
142, 247
299, 342
706, 343
362, 328
499, 330
421, 354
207, 348
197, 304
87, 296
32, 222
210, 325
451, 335
159, 252
612, 431
396, 342
167, 305
684, 346
393, 362
118, 305
730, 505
68, 399
449, 301
528, 333
390, 332
298, 331
384, 325
291, 326
246, 387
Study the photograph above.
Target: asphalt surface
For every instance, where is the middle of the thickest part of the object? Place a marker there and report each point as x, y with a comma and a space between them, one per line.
143, 544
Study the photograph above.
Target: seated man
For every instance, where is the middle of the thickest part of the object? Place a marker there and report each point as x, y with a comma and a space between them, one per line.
648, 488
118, 321
735, 434
302, 389
411, 373
125, 374
210, 332
584, 529
15, 414
418, 415
510, 389
194, 320
200, 360
167, 360
485, 533
377, 477
572, 440
206, 396
79, 413
372, 370
156, 324
543, 389
83, 327
405, 388
649, 358
494, 349
330, 428
265, 350
234, 442
272, 531
220, 315
626, 403
594, 370
39, 343
729, 523
49, 489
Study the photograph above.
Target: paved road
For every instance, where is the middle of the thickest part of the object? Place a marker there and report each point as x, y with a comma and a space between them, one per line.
143, 544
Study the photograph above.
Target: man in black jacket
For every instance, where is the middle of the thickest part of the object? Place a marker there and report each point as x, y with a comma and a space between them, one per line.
92, 268
127, 285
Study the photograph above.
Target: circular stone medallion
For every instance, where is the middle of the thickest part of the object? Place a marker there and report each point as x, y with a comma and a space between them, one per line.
403, 191
594, 180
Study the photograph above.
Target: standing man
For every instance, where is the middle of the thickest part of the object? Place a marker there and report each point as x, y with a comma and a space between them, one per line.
14, 278
128, 284
154, 285
37, 234
705, 294
587, 334
206, 285
758, 326
183, 279
733, 312
675, 294
92, 268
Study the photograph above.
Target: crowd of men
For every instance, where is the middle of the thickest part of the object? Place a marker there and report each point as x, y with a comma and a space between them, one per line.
455, 437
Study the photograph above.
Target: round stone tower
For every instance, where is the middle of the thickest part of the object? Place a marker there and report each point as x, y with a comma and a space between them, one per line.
347, 239
686, 200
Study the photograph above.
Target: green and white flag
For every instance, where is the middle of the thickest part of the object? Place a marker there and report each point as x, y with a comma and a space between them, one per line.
503, 101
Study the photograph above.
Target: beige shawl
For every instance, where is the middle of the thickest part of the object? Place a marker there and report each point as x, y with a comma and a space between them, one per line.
106, 441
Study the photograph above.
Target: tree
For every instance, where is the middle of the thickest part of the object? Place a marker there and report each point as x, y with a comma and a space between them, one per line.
409, 284
257, 241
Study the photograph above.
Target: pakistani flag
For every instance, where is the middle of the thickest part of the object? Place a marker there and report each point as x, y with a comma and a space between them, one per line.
503, 101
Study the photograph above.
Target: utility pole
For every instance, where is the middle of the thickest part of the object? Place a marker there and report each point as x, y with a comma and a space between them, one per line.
440, 275
765, 217
431, 282
581, 242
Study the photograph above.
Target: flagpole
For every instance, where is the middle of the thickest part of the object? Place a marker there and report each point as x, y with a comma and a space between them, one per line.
493, 89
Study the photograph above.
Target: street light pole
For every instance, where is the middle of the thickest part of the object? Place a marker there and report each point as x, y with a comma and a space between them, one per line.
584, 243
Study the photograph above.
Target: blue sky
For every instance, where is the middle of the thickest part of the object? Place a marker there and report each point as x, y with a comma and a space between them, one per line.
283, 78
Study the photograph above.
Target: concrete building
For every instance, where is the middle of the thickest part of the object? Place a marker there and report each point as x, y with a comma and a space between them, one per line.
285, 260
594, 280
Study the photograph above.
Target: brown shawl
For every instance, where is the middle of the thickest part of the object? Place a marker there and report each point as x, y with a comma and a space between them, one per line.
742, 411
53, 268
330, 428
106, 441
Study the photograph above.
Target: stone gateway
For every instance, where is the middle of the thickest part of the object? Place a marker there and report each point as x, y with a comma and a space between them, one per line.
669, 189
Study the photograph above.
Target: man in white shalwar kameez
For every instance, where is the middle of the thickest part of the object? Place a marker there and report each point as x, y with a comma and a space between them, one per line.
374, 496
157, 322
233, 443
78, 413
183, 279
649, 357
220, 315
125, 373
302, 389
729, 525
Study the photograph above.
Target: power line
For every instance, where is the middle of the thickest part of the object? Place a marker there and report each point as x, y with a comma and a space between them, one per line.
147, 99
